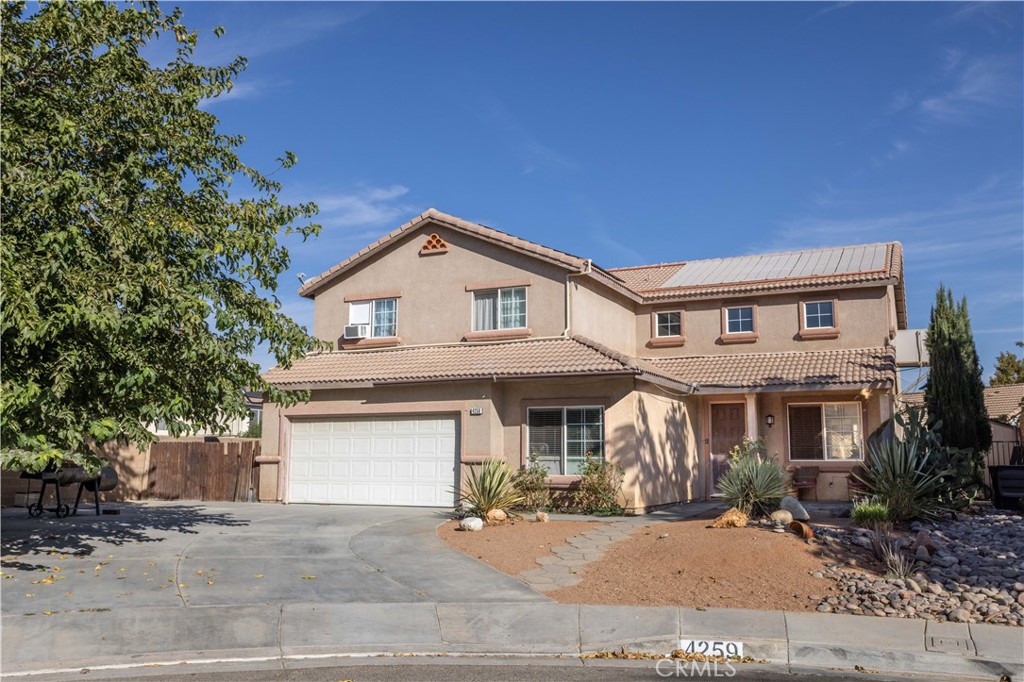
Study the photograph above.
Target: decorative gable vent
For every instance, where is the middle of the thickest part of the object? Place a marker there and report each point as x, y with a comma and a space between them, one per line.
434, 244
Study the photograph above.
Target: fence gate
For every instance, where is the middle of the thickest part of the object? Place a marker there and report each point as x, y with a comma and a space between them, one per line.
196, 470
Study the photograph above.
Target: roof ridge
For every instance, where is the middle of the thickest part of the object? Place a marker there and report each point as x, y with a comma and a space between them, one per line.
645, 267
772, 353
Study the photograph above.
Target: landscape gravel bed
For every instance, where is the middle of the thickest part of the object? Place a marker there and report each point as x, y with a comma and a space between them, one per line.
974, 575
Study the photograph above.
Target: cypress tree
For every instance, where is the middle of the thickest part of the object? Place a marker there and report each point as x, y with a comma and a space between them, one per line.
954, 392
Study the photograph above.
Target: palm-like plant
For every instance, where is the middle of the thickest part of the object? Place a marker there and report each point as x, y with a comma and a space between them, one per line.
490, 487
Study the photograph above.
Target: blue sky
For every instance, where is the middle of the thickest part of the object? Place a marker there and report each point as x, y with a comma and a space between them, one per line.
643, 133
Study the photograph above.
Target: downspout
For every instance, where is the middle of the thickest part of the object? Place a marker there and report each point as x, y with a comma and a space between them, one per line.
587, 269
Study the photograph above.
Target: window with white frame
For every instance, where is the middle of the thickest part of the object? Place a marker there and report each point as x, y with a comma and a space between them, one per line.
499, 309
739, 320
561, 438
381, 315
825, 431
669, 323
819, 315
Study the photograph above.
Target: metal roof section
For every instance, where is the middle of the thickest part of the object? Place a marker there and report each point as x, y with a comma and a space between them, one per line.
842, 260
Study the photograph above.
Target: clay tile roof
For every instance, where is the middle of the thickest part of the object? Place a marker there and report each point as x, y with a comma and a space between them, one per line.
437, 217
853, 367
463, 361
1004, 401
644, 277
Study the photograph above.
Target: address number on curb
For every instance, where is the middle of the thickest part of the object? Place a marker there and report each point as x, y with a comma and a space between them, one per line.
711, 647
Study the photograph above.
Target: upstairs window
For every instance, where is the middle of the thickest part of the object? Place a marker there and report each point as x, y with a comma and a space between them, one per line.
739, 320
499, 309
380, 315
819, 315
562, 437
668, 324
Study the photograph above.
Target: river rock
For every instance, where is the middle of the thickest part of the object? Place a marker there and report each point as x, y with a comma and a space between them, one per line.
471, 523
781, 517
793, 506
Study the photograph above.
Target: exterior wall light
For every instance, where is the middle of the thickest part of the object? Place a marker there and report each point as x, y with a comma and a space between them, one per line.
770, 420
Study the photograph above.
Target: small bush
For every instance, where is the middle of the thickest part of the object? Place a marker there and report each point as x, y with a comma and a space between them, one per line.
599, 488
255, 430
869, 512
490, 487
754, 483
531, 482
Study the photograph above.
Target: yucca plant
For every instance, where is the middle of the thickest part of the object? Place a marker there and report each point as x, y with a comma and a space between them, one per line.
898, 564
490, 487
755, 484
903, 477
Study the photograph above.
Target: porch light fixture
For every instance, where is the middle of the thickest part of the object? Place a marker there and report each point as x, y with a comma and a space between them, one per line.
770, 420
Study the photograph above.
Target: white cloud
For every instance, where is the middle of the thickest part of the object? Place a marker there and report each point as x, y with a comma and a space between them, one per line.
973, 88
377, 206
528, 149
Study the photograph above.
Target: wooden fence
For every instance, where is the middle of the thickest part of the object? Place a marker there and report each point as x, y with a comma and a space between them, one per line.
197, 470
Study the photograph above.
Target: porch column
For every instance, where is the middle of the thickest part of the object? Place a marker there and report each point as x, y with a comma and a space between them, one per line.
885, 408
751, 400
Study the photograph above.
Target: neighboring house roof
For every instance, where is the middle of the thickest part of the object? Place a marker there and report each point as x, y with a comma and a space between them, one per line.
463, 361
859, 367
432, 215
1003, 403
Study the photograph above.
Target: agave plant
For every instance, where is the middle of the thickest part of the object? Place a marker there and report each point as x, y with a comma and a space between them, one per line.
754, 484
490, 487
906, 480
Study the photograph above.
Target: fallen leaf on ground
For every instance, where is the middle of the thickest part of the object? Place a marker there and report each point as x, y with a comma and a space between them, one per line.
309, 577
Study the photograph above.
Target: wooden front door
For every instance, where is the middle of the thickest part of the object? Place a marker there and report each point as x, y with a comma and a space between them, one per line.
728, 426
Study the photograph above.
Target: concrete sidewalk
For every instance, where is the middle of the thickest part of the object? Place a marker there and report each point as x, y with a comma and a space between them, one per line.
39, 644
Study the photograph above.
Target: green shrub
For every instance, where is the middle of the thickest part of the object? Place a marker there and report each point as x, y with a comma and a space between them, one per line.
599, 488
754, 483
490, 487
255, 430
870, 512
531, 482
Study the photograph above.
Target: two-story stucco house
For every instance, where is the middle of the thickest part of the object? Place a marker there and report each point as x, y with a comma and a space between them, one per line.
457, 343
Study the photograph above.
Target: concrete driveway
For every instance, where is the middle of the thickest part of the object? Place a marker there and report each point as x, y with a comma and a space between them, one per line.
197, 554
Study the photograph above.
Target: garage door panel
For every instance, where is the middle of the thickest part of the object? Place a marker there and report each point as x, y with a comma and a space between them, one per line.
397, 461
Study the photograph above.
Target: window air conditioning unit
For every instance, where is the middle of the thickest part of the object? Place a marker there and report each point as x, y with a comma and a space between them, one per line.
357, 331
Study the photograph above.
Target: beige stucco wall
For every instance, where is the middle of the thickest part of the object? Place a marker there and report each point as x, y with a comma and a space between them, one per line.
664, 466
434, 306
602, 315
863, 321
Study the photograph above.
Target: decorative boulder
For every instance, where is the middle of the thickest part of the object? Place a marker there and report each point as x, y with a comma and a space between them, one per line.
542, 517
924, 540
733, 518
496, 516
781, 517
471, 523
794, 507
922, 555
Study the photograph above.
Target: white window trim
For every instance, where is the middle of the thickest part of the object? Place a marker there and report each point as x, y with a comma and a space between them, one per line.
657, 327
753, 319
526, 302
831, 302
372, 302
565, 431
824, 432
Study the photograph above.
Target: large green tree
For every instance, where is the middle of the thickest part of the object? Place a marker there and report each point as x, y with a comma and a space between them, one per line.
139, 254
1009, 368
954, 393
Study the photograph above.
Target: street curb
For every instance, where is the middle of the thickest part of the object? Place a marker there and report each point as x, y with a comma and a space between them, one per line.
131, 638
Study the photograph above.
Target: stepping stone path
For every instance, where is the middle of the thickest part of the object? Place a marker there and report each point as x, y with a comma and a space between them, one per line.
563, 568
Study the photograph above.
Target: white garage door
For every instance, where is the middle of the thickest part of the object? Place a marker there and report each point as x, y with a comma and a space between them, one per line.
390, 461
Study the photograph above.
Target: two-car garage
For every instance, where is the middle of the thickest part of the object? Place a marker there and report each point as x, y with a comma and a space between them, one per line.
404, 461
